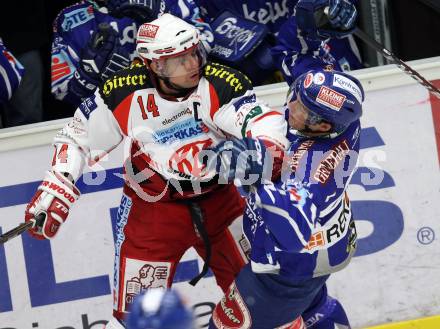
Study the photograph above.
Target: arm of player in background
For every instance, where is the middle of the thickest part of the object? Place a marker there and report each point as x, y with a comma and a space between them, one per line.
295, 55
91, 134
11, 72
190, 12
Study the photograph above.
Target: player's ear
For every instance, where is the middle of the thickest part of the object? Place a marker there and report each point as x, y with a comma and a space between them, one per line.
151, 65
324, 127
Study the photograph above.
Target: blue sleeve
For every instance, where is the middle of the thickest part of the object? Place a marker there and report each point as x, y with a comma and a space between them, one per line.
294, 55
68, 38
11, 72
288, 213
190, 12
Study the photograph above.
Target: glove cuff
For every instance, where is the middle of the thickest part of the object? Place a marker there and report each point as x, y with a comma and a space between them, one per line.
55, 184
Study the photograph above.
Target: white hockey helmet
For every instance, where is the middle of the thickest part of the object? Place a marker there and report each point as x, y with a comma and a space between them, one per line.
166, 39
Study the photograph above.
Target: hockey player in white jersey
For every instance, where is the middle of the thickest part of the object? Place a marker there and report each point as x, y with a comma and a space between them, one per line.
171, 107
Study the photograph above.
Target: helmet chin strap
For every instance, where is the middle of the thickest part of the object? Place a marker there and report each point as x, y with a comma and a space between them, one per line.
180, 91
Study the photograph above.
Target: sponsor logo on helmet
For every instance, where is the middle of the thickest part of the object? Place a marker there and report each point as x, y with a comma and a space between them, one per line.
148, 30
308, 80
319, 79
330, 98
344, 83
118, 82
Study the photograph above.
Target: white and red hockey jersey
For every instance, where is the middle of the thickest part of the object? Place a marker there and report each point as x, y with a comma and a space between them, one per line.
167, 133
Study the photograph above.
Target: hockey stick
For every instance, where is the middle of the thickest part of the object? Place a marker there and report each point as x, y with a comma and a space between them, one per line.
321, 18
21, 228
401, 64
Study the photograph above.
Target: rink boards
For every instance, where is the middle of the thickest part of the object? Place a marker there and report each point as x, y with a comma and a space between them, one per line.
66, 283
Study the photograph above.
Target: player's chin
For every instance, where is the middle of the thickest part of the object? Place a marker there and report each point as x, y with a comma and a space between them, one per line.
193, 80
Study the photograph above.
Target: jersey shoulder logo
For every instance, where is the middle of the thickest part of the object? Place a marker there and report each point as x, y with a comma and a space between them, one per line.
228, 82
123, 83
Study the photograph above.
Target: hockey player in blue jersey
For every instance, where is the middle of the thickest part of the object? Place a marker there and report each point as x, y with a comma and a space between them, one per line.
300, 226
89, 44
11, 72
159, 309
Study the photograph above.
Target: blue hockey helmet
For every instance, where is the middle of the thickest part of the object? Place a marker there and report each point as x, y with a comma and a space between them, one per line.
333, 96
159, 309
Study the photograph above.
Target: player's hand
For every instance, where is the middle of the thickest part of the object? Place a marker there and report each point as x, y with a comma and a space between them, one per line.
141, 11
322, 19
240, 159
102, 56
342, 14
50, 204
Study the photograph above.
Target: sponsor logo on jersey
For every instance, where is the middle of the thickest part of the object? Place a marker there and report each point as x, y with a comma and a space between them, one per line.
334, 230
186, 159
238, 37
87, 106
345, 83
223, 73
252, 114
77, 17
140, 275
330, 98
298, 154
181, 131
271, 13
177, 116
61, 67
251, 99
232, 311
118, 82
328, 165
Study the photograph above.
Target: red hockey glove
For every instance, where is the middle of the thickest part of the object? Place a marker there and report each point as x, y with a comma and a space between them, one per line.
53, 200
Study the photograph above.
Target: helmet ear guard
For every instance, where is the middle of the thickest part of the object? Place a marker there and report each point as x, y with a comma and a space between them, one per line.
334, 96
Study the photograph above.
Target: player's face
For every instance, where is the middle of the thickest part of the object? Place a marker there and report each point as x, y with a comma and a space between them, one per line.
298, 115
187, 70
182, 70
302, 119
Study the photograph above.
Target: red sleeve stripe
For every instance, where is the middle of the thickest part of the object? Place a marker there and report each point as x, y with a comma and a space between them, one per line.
215, 103
268, 114
122, 112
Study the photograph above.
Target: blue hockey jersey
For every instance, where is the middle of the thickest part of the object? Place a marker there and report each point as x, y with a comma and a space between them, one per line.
75, 24
11, 72
270, 13
301, 226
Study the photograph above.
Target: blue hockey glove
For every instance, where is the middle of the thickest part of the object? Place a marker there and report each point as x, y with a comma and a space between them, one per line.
142, 11
101, 57
323, 19
241, 159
